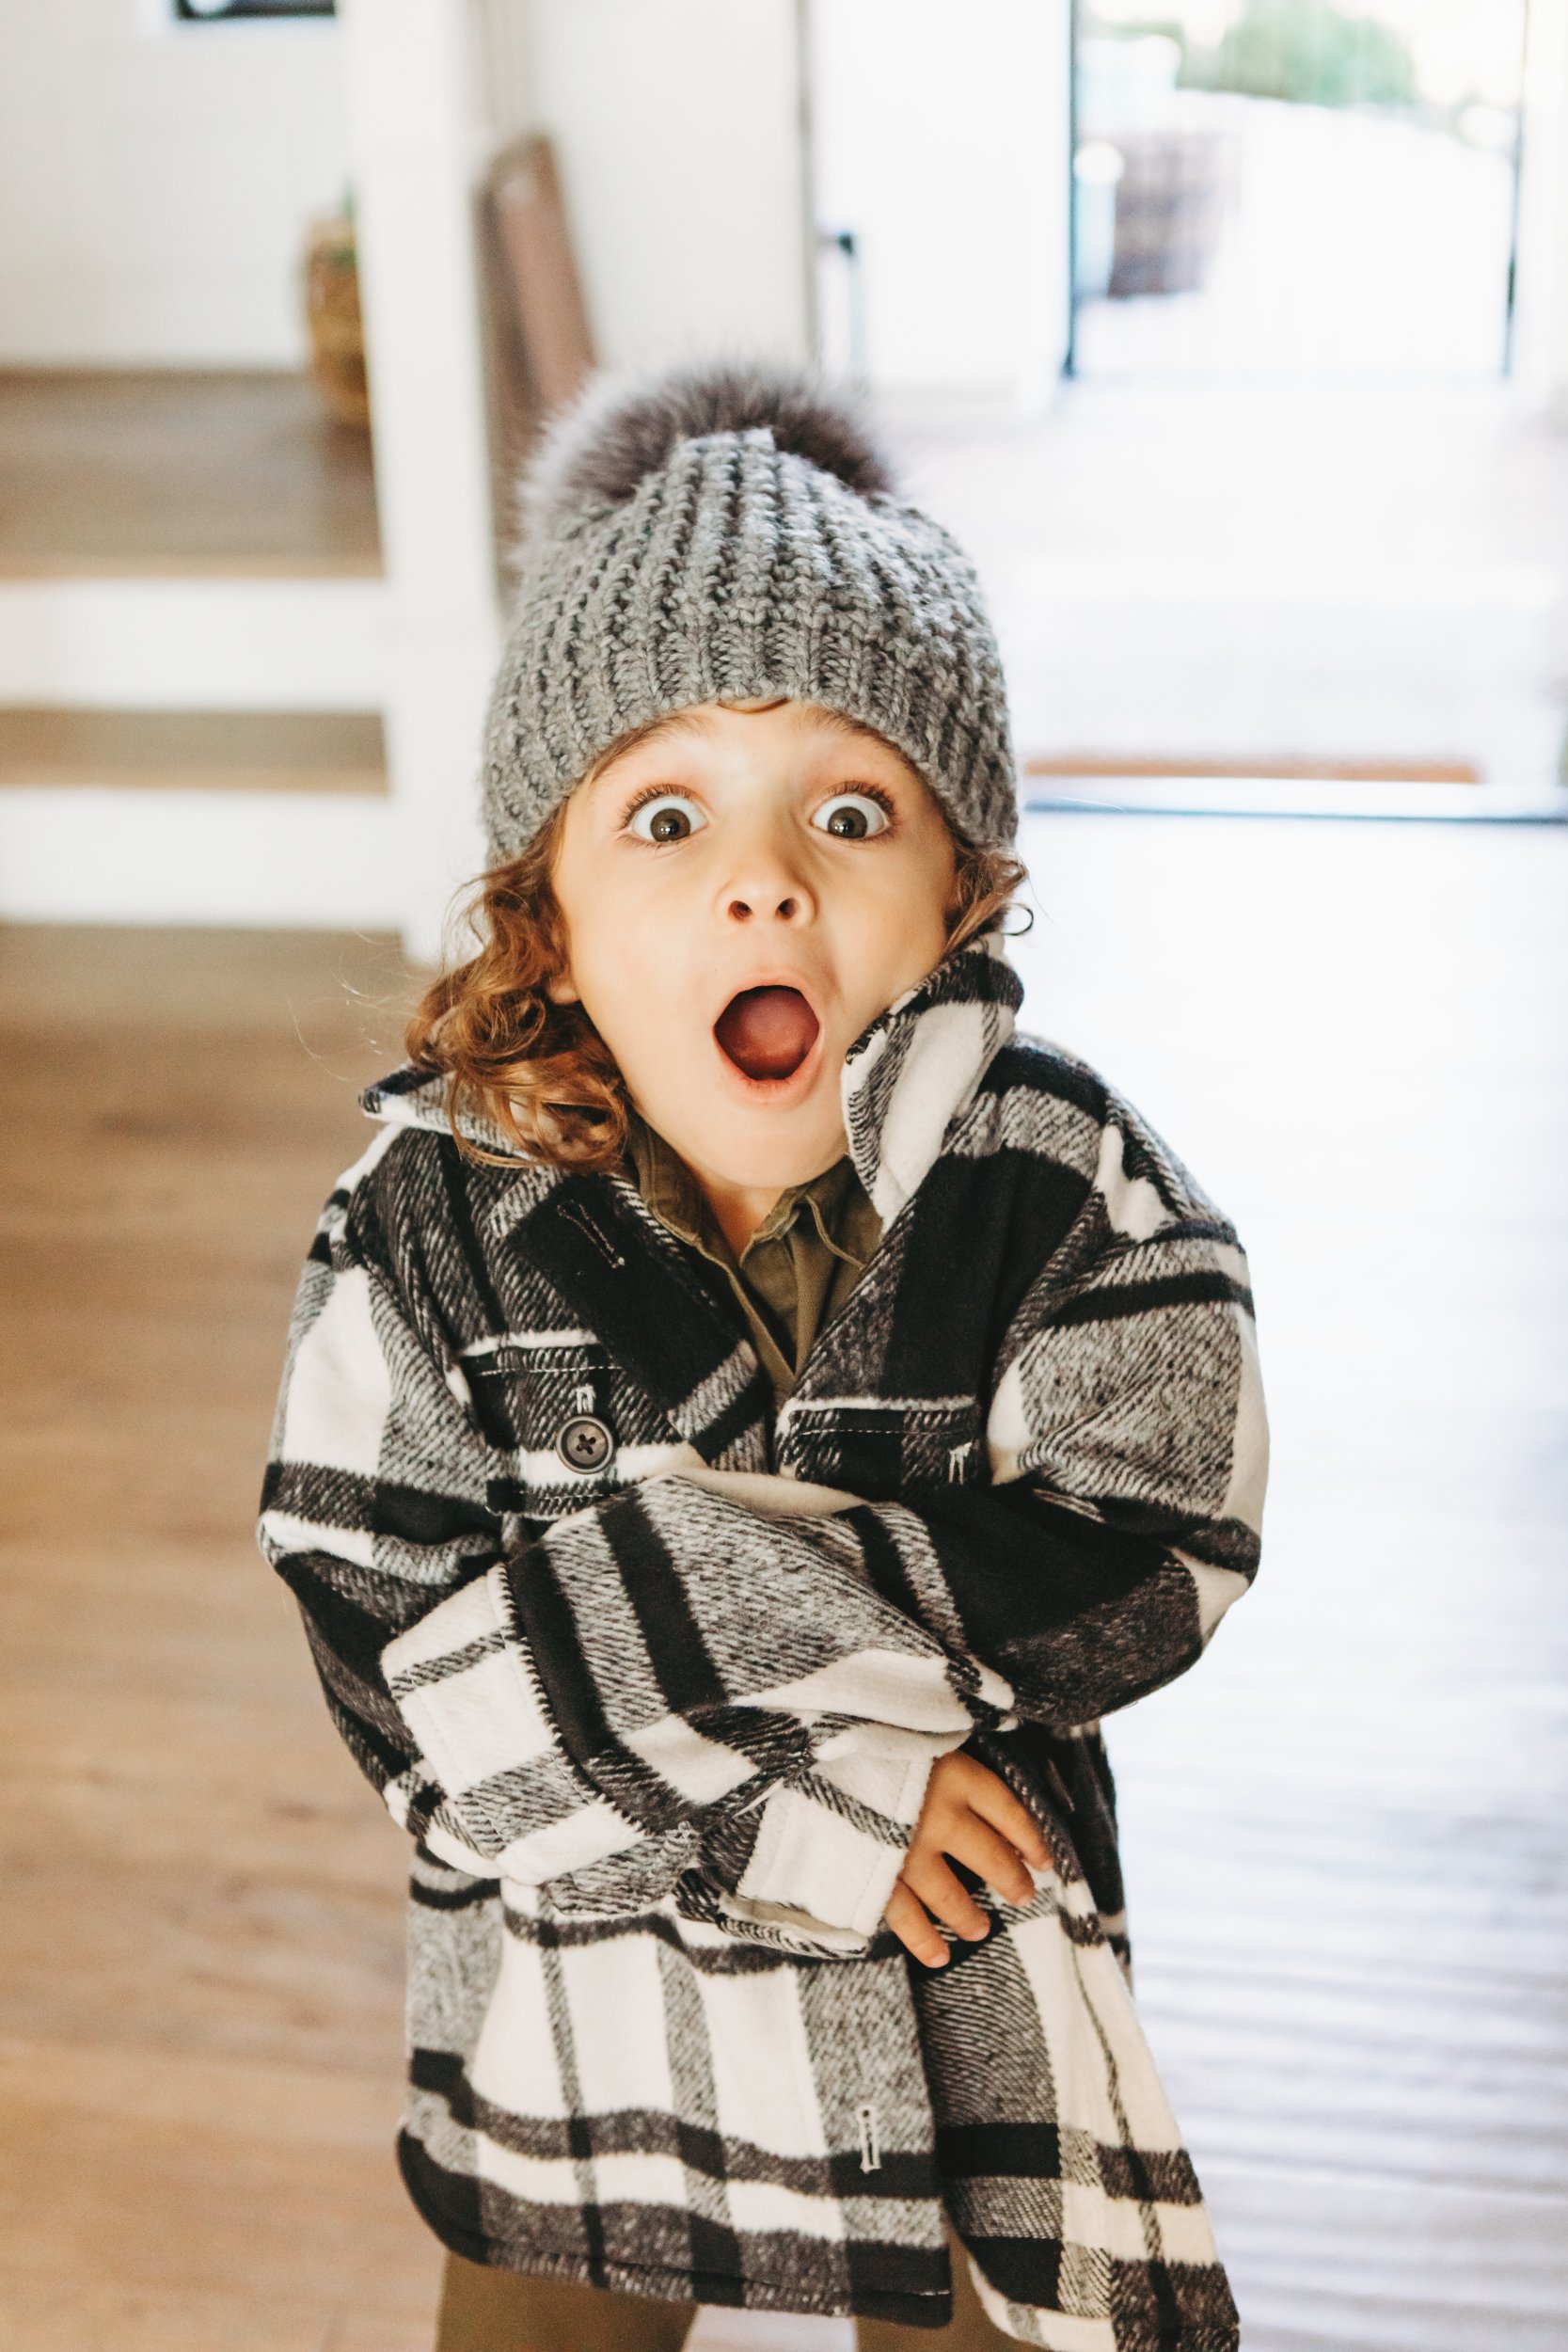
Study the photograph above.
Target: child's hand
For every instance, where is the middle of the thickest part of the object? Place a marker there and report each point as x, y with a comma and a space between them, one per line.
972, 1816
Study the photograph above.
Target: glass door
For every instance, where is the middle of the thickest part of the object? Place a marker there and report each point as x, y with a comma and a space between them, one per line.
1291, 187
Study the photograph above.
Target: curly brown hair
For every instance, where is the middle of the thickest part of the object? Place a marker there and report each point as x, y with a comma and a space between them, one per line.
538, 1074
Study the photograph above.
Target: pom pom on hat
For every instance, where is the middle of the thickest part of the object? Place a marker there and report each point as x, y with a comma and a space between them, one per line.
622, 429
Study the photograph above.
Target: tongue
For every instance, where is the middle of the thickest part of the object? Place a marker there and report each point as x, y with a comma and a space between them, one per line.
767, 1032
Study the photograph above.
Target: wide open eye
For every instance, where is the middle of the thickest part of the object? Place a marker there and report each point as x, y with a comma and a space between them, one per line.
670, 817
851, 816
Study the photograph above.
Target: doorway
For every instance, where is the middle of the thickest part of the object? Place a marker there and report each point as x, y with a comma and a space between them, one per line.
1296, 188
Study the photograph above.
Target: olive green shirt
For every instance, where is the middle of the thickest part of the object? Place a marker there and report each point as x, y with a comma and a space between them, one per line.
798, 1267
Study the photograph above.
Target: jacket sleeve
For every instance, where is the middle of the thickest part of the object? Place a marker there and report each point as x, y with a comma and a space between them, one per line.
1087, 1564
373, 1506
576, 1715
673, 1680
1117, 1515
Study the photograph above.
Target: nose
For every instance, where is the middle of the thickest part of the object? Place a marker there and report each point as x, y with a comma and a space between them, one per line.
766, 886
785, 910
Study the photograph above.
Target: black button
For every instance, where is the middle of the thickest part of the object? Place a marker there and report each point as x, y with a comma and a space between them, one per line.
585, 1443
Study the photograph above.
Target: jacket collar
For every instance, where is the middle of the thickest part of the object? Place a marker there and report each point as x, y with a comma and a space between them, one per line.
906, 1078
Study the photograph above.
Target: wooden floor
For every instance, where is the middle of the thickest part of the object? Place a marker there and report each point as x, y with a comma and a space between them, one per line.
193, 751
201, 2001
1347, 1832
174, 472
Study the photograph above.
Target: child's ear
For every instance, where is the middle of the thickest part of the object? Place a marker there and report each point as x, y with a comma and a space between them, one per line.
560, 991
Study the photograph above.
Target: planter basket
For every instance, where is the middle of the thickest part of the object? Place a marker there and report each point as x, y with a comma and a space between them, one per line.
332, 314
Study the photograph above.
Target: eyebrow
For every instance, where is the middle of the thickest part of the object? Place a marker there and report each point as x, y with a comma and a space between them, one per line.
684, 720
694, 719
840, 723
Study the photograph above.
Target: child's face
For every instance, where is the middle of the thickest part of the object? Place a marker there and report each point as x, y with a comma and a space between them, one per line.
758, 846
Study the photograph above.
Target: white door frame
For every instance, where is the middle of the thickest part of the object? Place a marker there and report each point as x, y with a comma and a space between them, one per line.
418, 146
1540, 369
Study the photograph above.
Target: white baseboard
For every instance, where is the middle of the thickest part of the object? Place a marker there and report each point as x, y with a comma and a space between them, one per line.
1540, 803
194, 645
318, 861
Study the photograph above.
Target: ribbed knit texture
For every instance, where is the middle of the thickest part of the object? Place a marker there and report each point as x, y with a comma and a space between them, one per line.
737, 568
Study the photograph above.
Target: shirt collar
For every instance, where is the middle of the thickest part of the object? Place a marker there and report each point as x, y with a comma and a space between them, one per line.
675, 1197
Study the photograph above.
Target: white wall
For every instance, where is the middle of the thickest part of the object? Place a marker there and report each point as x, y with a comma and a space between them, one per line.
941, 138
678, 127
154, 183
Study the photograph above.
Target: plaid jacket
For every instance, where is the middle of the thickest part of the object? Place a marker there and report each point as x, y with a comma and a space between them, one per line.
655, 1676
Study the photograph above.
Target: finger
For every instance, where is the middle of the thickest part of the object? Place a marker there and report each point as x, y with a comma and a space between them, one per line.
942, 1894
984, 1850
911, 1923
996, 1802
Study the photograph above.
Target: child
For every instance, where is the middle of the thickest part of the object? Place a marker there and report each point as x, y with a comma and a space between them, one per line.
747, 1416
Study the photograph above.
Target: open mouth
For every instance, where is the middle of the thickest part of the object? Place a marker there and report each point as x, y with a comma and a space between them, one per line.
767, 1032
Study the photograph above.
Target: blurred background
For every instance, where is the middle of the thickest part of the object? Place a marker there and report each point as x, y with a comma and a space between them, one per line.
1232, 338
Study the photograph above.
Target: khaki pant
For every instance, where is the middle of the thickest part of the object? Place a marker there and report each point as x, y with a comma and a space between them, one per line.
504, 2311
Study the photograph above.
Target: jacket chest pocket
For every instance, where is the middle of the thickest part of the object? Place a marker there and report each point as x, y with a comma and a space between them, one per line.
884, 1452
563, 1421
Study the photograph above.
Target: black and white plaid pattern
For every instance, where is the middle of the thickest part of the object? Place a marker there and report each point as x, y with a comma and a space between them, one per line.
662, 1727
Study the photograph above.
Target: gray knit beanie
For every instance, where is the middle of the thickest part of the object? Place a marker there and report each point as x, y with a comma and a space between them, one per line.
732, 531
